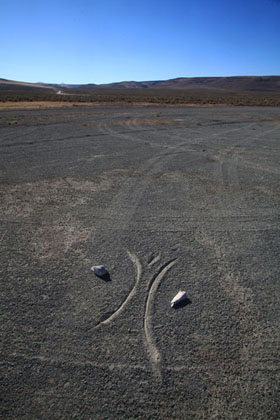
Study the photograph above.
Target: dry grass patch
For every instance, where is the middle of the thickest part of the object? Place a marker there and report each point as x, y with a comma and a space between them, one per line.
42, 105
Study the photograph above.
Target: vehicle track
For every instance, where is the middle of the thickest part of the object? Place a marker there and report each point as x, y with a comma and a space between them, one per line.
131, 294
153, 260
256, 331
153, 352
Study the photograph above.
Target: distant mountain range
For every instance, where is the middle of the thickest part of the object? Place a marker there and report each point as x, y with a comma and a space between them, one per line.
248, 83
269, 84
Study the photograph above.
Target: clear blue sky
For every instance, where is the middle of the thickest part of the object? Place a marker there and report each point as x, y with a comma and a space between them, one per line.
103, 41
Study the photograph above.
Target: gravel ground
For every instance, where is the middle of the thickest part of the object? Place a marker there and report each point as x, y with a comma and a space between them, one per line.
168, 199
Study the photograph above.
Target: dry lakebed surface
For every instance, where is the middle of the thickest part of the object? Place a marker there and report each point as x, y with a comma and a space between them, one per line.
167, 199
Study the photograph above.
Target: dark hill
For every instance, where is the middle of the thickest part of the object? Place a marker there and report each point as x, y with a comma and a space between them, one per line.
230, 84
238, 90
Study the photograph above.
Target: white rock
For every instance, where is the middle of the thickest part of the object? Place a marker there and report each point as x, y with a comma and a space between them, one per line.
178, 298
99, 270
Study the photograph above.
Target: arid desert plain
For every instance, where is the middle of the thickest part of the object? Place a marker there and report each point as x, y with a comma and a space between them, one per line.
168, 199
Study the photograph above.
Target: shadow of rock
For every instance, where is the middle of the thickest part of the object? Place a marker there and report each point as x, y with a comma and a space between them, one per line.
182, 303
106, 277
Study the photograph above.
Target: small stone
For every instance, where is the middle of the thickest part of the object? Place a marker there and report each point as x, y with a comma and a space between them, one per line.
182, 295
99, 270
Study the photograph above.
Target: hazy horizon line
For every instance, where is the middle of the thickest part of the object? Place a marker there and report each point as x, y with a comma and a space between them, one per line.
142, 81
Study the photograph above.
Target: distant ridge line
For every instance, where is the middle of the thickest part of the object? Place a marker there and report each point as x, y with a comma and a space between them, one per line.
269, 84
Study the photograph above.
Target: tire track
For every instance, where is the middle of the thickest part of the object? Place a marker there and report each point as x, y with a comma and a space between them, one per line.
258, 357
89, 363
132, 293
132, 191
76, 363
125, 202
229, 160
152, 350
258, 336
153, 260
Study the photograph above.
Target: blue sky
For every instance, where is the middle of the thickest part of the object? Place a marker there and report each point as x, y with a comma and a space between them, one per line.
103, 41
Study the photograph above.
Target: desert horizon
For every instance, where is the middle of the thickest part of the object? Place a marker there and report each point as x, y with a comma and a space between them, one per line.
234, 91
